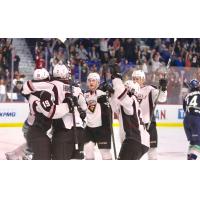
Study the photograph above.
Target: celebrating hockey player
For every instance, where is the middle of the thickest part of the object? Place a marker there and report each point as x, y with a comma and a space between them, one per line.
136, 141
147, 97
23, 151
64, 129
191, 106
98, 129
42, 111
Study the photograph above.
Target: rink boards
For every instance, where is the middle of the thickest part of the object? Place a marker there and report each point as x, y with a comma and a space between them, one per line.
14, 114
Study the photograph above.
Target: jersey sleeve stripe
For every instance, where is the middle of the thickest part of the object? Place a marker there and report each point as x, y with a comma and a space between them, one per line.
30, 86
52, 112
122, 95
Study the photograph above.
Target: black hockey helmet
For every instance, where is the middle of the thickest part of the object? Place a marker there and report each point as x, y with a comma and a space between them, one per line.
194, 84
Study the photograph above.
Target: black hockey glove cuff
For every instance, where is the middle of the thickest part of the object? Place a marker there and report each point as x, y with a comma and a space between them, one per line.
106, 87
82, 113
102, 99
117, 75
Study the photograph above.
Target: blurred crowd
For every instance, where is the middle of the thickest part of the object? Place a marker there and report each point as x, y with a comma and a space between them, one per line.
96, 55
10, 84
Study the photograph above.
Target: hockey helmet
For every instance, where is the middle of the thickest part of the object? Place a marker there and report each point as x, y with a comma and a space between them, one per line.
194, 84
94, 76
61, 71
40, 74
138, 73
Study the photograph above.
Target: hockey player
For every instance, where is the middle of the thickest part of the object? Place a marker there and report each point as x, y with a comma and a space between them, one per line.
98, 127
191, 106
63, 148
147, 97
23, 151
136, 141
132, 89
64, 130
42, 111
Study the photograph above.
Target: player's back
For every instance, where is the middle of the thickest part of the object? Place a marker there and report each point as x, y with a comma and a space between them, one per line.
191, 104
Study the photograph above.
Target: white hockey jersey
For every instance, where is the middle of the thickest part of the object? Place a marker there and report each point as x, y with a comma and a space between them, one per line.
67, 119
147, 97
94, 112
58, 90
41, 117
129, 113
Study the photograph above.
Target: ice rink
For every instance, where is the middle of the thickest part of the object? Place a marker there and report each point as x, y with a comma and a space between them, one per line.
172, 143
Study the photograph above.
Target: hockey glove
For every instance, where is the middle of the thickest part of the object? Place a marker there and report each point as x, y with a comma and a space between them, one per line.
102, 99
45, 100
108, 88
82, 113
69, 100
163, 84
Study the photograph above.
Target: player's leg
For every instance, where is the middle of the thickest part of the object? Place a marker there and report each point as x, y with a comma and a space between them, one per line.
89, 146
103, 138
89, 149
40, 144
152, 152
62, 145
79, 154
194, 135
132, 150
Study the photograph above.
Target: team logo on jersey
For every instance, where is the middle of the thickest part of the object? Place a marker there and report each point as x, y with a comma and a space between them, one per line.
92, 105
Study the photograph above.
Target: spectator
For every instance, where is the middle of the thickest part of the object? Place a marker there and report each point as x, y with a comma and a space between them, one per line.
82, 53
155, 61
129, 47
16, 63
120, 54
84, 73
188, 60
93, 68
195, 61
18, 79
2, 65
40, 62
179, 62
93, 54
104, 50
2, 90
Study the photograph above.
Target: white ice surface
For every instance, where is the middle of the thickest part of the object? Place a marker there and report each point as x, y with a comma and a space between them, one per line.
172, 143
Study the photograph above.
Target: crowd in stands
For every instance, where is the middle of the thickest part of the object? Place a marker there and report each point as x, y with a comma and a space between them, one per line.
8, 83
96, 55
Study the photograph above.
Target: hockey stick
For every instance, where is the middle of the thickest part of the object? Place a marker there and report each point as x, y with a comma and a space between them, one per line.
63, 40
111, 120
156, 100
73, 114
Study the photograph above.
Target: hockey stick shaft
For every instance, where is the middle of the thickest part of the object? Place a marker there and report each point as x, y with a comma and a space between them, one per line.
111, 120
73, 113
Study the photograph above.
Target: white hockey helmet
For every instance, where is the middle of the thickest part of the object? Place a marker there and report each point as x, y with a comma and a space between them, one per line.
138, 73
94, 76
61, 71
131, 86
40, 74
